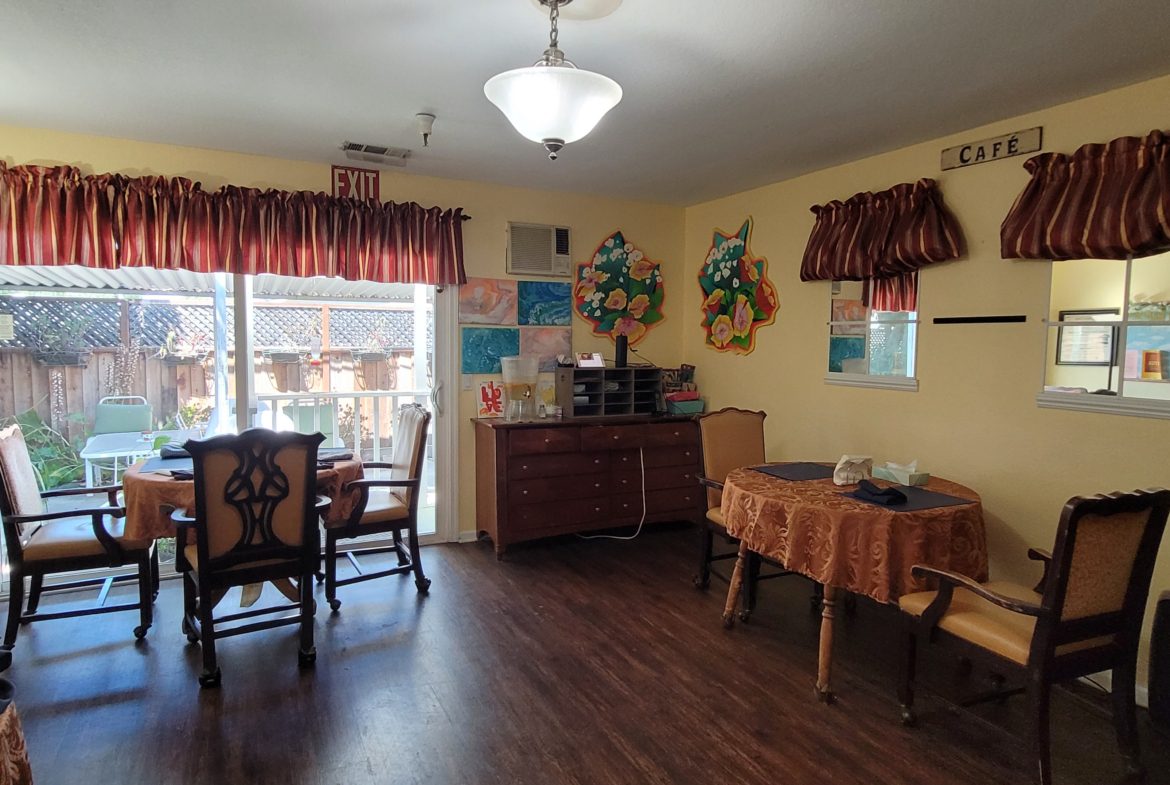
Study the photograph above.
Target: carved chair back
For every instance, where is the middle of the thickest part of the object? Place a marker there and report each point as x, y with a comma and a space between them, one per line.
731, 439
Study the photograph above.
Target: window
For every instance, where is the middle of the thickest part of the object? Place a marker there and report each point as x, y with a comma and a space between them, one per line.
1109, 336
869, 348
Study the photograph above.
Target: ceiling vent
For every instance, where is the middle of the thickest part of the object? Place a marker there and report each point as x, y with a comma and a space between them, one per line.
536, 249
375, 154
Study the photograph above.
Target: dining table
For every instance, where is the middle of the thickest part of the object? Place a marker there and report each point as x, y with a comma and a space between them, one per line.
150, 493
819, 529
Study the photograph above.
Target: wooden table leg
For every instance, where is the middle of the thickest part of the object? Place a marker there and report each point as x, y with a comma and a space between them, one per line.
825, 661
734, 587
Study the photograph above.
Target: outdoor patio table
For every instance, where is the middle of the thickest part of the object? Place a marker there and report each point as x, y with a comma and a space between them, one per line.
130, 445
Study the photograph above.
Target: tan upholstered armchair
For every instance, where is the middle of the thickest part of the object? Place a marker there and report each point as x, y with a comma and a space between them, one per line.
43, 543
387, 505
255, 520
731, 439
1084, 616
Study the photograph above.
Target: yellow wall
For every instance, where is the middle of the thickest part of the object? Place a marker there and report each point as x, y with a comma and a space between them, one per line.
974, 418
656, 229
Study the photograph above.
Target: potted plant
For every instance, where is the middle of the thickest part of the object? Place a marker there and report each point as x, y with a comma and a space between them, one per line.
61, 340
185, 349
371, 362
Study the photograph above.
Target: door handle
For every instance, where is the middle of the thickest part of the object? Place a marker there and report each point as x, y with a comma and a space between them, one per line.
436, 400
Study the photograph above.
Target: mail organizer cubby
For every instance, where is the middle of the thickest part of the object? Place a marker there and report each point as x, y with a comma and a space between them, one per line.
551, 477
609, 392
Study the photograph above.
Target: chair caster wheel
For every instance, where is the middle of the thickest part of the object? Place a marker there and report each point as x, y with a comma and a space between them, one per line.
744, 616
209, 680
909, 718
320, 577
728, 621
700, 582
140, 631
306, 659
423, 585
334, 604
189, 631
825, 696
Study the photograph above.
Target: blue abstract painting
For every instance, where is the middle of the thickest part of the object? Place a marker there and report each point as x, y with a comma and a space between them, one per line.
484, 346
545, 303
843, 348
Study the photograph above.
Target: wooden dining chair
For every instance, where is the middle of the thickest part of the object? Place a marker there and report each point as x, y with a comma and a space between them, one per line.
41, 543
1084, 616
386, 505
730, 439
255, 520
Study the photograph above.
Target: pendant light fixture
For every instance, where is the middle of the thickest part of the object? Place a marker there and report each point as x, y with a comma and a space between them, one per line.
553, 102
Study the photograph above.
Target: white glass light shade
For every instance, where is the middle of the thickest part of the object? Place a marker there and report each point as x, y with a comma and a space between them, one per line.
553, 102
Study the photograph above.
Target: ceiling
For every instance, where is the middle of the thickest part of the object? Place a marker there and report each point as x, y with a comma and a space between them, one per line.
719, 96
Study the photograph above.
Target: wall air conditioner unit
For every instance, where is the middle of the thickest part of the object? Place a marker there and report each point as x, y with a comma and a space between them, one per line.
536, 249
375, 154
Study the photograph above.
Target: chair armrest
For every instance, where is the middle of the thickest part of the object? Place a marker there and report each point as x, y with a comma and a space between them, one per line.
181, 519
947, 581
708, 482
117, 512
1036, 554
377, 483
323, 504
111, 492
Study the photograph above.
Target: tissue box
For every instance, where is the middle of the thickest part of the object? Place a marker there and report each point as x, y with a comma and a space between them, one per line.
686, 407
901, 476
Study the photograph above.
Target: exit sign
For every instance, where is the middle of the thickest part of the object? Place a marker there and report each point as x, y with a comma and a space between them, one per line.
356, 183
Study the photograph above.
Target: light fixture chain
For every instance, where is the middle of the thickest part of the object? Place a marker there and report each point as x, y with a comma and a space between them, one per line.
554, 16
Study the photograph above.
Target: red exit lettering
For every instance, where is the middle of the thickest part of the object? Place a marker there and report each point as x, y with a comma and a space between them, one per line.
355, 183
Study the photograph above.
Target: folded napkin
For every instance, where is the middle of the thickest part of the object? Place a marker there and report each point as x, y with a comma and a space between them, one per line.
329, 456
173, 451
867, 491
182, 474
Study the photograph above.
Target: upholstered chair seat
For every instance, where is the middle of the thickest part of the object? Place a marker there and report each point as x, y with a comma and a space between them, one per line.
715, 515
73, 537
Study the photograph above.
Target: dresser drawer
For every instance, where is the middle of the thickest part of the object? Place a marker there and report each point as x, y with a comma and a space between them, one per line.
611, 437
527, 467
567, 513
552, 489
530, 441
658, 457
628, 506
673, 434
629, 478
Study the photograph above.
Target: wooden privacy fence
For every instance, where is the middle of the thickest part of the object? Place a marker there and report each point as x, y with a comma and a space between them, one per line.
66, 397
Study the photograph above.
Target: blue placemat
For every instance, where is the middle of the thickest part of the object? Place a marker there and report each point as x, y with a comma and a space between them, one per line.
796, 471
168, 464
916, 499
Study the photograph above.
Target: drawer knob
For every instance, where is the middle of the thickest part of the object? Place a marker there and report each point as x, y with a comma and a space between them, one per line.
616, 437
547, 440
597, 509
687, 453
524, 467
596, 485
686, 476
525, 492
597, 460
676, 433
625, 458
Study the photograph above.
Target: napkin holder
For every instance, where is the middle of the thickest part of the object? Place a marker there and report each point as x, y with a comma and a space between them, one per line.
901, 476
852, 469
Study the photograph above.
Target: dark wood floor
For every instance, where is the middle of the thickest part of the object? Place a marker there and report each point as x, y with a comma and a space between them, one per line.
572, 662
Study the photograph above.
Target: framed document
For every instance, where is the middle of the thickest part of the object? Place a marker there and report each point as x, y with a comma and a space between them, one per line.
590, 360
1081, 342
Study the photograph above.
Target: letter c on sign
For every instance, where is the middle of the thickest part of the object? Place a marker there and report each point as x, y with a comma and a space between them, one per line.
965, 154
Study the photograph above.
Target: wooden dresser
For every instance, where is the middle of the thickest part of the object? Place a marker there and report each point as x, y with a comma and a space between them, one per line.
539, 479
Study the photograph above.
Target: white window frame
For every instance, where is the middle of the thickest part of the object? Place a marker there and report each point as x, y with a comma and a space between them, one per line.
908, 383
1101, 404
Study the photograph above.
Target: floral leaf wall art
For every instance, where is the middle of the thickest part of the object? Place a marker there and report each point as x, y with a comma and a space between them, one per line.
620, 291
738, 298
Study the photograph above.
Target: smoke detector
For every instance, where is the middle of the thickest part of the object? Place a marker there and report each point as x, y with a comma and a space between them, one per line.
379, 155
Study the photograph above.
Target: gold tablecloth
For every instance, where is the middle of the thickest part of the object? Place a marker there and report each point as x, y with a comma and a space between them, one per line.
14, 768
151, 497
811, 528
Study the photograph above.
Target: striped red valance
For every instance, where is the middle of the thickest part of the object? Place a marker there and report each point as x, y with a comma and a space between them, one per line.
1105, 201
882, 238
58, 216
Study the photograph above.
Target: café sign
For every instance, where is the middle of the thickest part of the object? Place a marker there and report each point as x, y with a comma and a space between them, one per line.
1018, 143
